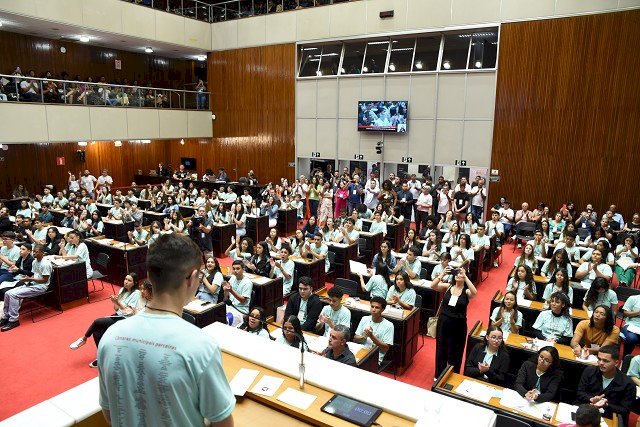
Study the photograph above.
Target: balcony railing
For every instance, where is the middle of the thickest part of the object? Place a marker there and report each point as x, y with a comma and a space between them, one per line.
232, 9
25, 89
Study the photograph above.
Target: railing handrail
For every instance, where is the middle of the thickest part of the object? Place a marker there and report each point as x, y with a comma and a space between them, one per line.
44, 79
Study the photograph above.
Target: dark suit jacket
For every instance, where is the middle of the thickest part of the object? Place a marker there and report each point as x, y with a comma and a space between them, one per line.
620, 393
314, 307
24, 265
549, 382
497, 370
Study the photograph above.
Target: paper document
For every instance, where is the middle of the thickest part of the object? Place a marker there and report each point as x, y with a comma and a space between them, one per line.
198, 306
338, 245
396, 313
591, 359
564, 413
475, 390
261, 280
5, 285
512, 399
358, 268
296, 398
267, 386
523, 302
242, 381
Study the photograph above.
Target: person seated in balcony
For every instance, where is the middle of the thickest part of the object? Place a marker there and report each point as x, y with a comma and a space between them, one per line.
50, 89
30, 89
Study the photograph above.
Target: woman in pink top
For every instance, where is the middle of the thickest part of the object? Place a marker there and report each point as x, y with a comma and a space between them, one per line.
341, 196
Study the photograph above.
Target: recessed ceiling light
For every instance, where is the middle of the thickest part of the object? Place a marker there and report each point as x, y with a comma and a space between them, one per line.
148, 49
202, 57
478, 64
446, 65
84, 39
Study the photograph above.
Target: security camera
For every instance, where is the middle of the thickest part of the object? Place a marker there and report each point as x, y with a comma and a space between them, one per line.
379, 144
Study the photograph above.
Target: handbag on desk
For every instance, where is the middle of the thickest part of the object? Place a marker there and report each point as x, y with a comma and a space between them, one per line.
432, 322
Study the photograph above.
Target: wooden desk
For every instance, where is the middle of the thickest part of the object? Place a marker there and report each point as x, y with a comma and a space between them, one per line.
221, 235
313, 268
207, 314
519, 353
530, 313
372, 246
405, 334
116, 229
452, 378
344, 253
103, 209
58, 215
395, 235
122, 260
149, 216
257, 227
186, 211
578, 291
313, 415
366, 359
69, 282
267, 293
287, 221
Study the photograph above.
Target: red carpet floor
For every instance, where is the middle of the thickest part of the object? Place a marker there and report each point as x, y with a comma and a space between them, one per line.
36, 362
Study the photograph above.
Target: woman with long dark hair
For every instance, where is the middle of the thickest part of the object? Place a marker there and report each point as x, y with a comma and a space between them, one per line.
555, 324
211, 279
384, 256
539, 379
600, 293
506, 316
452, 323
379, 283
596, 332
291, 332
129, 301
255, 323
559, 283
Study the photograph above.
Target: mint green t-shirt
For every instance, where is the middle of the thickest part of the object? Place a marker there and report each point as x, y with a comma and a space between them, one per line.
377, 287
159, 370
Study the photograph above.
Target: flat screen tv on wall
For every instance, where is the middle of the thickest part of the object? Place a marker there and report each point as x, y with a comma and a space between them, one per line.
382, 116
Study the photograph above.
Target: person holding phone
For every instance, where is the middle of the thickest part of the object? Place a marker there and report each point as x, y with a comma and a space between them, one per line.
452, 323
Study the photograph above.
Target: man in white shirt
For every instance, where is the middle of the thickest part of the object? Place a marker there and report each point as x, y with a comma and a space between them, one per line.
478, 198
29, 286
463, 183
506, 217
495, 227
480, 240
371, 192
87, 181
104, 180
375, 329
423, 207
238, 290
173, 368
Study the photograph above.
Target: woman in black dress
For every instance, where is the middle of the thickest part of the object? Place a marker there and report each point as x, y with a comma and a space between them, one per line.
452, 324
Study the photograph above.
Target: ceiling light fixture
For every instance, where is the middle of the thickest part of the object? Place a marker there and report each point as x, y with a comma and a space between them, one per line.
478, 64
446, 65
0, 23
182, 141
148, 49
117, 143
419, 65
392, 67
84, 39
82, 143
202, 57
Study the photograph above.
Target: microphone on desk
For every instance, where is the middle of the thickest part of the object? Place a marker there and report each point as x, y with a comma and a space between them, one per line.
301, 367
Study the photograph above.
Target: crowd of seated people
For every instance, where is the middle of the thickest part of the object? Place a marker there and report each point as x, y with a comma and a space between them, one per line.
332, 206
78, 90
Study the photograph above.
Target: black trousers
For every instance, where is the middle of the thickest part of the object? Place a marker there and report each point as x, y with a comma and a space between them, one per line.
100, 326
313, 207
452, 334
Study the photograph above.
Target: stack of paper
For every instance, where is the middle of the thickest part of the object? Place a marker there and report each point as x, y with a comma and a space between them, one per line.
512, 399
358, 268
523, 302
475, 390
396, 313
197, 306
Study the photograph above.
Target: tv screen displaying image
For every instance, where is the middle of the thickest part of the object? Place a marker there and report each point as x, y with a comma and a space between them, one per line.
382, 116
188, 162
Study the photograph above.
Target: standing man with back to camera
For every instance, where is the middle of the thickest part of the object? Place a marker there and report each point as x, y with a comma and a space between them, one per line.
157, 369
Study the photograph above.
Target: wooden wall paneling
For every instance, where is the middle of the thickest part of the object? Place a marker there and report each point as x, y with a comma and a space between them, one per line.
41, 55
254, 104
34, 165
567, 118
